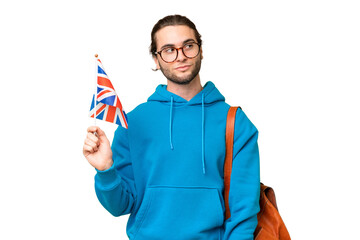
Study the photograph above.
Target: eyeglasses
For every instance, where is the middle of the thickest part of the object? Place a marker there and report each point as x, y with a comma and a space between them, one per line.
170, 54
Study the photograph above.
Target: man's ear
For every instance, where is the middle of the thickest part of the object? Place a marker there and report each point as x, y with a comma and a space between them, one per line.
156, 62
201, 54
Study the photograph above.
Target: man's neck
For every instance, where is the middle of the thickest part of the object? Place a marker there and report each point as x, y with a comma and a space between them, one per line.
187, 91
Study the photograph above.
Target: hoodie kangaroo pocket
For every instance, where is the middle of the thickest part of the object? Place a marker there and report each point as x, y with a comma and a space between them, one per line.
180, 213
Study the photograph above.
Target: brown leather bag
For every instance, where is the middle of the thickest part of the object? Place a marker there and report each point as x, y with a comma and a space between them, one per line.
270, 225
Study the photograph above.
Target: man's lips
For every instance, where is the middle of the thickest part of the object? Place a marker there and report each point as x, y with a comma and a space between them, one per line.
183, 68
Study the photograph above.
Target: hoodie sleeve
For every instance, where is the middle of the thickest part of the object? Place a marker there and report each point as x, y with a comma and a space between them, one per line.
244, 182
115, 187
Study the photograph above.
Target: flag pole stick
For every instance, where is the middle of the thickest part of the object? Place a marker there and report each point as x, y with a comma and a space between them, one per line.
95, 94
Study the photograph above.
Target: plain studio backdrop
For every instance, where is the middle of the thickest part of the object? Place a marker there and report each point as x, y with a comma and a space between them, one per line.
293, 66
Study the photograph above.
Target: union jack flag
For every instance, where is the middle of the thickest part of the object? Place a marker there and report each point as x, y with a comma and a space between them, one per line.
108, 106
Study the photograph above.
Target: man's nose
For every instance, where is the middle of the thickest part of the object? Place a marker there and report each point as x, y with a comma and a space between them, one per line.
181, 57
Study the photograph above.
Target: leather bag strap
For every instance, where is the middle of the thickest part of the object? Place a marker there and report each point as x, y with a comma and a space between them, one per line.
229, 141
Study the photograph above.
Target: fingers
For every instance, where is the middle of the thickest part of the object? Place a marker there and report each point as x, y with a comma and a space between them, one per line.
92, 137
93, 130
96, 129
97, 148
87, 150
100, 134
91, 143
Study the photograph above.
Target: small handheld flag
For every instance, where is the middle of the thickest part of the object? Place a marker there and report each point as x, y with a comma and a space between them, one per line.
105, 103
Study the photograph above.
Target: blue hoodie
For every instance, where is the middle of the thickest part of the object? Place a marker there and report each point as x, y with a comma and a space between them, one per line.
168, 170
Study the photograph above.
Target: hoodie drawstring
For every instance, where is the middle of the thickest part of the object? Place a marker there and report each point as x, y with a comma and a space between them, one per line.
203, 133
202, 129
170, 124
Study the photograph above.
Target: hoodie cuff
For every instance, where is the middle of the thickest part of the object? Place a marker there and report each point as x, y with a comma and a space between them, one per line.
107, 179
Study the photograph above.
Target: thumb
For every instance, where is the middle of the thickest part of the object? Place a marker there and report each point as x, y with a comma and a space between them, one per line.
102, 136
100, 132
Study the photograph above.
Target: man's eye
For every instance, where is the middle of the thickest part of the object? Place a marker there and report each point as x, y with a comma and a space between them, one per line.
169, 50
189, 46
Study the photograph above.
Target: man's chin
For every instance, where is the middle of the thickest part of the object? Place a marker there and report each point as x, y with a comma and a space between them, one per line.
181, 81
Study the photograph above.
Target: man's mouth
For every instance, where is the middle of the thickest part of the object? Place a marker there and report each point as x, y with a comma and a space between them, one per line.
183, 68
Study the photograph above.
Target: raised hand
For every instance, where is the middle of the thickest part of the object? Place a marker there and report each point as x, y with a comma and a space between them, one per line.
97, 149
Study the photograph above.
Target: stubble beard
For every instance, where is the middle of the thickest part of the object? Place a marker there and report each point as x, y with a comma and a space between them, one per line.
182, 80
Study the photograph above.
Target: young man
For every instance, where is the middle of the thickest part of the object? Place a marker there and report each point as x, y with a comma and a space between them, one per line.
166, 169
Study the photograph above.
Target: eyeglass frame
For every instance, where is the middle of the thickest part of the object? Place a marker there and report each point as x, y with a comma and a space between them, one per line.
177, 52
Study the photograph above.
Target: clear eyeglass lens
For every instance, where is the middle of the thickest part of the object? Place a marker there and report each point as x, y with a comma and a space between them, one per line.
191, 50
169, 54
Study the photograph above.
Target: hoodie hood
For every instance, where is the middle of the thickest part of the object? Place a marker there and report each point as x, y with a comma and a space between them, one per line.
209, 95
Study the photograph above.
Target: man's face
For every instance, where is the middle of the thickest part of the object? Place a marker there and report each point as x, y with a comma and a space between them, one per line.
183, 70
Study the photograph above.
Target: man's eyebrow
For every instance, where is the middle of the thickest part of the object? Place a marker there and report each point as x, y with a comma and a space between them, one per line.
167, 45
189, 40
173, 45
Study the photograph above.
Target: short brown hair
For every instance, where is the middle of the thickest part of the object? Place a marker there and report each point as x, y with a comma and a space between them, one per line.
171, 20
